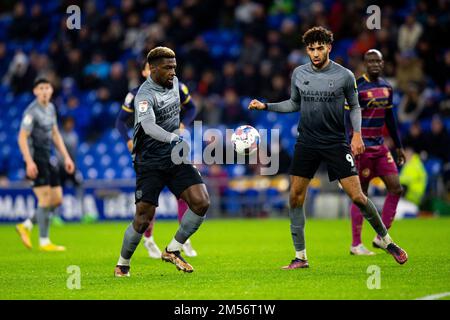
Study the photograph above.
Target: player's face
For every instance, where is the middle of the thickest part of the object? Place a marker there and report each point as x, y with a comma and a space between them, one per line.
318, 53
43, 92
374, 64
165, 72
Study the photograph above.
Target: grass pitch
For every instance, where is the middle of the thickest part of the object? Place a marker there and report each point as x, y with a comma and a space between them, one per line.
238, 259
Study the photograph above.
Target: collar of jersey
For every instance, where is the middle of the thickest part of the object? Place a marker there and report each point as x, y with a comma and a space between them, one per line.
155, 86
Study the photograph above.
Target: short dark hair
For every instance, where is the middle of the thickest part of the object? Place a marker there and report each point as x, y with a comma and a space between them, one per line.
158, 53
319, 35
39, 81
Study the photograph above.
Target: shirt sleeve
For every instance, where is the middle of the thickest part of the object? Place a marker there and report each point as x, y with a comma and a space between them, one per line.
188, 108
127, 105
121, 123
27, 121
351, 91
143, 105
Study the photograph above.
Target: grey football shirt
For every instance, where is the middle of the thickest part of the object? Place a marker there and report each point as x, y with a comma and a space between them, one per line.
320, 97
164, 103
39, 121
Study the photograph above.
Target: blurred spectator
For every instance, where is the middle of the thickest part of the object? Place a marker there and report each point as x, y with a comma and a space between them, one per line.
437, 142
38, 24
278, 90
413, 177
252, 52
229, 76
409, 69
117, 83
96, 71
208, 83
3, 58
415, 138
245, 12
198, 54
409, 33
248, 81
19, 28
411, 104
233, 111
20, 75
444, 106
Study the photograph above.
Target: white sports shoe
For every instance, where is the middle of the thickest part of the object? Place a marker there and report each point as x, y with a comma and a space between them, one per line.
360, 250
152, 248
188, 250
379, 244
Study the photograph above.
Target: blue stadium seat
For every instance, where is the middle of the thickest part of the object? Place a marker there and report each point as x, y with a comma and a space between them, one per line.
92, 173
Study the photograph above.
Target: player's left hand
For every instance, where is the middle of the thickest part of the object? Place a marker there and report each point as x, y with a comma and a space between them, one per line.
401, 157
357, 144
69, 166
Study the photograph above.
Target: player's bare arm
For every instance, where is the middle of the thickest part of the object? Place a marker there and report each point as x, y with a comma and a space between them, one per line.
69, 166
31, 167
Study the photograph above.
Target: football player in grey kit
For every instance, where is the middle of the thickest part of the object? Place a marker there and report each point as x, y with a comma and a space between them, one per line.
319, 90
38, 132
157, 115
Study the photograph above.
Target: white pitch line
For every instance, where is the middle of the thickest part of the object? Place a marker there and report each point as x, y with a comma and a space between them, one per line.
435, 296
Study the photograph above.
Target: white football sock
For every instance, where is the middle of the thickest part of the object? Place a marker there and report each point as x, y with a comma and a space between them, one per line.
28, 224
387, 240
301, 254
149, 239
44, 241
123, 262
174, 245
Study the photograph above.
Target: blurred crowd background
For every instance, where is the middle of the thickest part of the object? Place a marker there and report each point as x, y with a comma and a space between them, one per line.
228, 52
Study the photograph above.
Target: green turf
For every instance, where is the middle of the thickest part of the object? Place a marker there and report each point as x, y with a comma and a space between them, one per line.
238, 259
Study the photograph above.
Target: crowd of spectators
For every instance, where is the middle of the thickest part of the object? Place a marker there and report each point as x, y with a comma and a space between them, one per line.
106, 54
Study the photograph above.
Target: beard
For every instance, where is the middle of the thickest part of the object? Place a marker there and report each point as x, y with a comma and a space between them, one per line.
320, 64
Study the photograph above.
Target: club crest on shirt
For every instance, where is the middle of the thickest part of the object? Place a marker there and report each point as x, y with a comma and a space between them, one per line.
143, 106
27, 120
138, 194
366, 172
331, 83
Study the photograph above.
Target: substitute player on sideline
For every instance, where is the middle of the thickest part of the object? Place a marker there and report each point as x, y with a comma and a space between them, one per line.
375, 99
38, 131
124, 122
319, 90
157, 104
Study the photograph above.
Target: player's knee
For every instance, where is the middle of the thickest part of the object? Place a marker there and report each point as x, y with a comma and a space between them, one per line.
200, 205
44, 201
296, 199
359, 199
396, 190
56, 201
143, 217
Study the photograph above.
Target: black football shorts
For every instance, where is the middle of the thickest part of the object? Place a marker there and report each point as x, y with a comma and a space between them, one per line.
150, 182
48, 173
338, 158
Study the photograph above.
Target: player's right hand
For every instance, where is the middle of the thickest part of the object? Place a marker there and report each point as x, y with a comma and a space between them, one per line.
176, 141
256, 104
32, 170
130, 145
